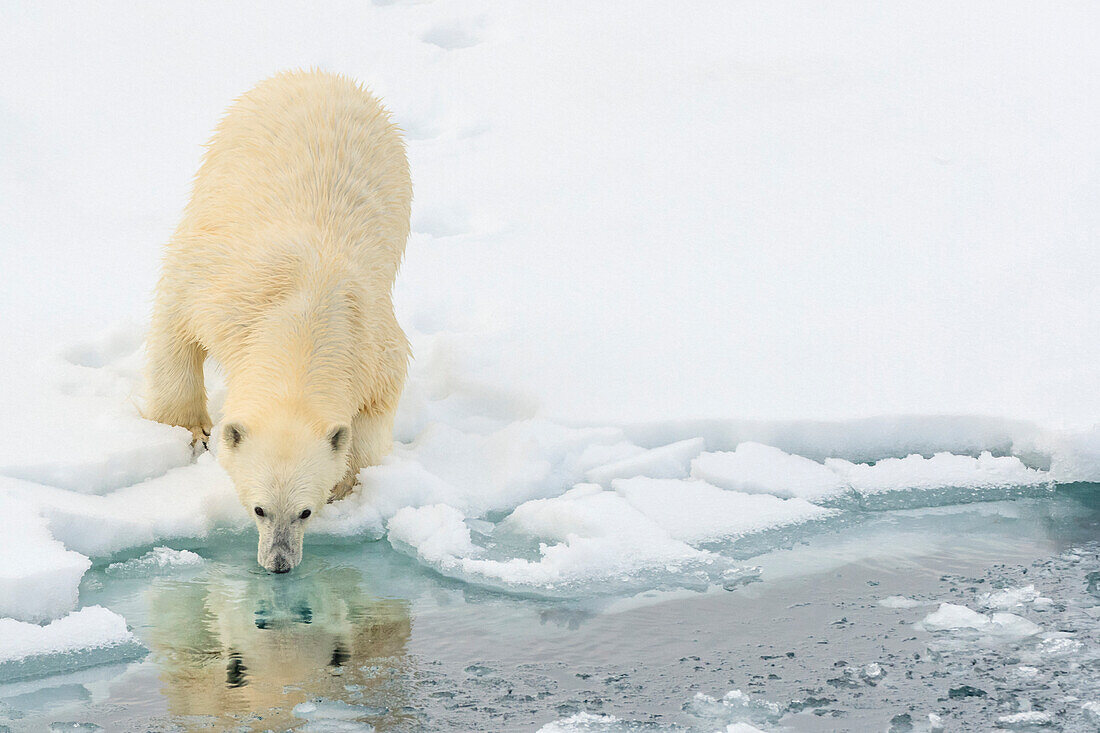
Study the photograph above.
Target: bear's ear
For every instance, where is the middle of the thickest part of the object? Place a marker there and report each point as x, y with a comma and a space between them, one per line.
233, 433
338, 437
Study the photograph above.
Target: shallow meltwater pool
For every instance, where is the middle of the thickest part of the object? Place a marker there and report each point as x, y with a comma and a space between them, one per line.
971, 617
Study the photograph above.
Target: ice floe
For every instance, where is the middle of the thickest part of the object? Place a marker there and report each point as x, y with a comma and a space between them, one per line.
762, 469
38, 576
90, 636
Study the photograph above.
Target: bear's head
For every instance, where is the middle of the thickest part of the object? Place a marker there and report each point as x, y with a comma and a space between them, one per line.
284, 472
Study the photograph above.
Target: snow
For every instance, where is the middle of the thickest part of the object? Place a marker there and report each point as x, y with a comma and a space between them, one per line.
92, 635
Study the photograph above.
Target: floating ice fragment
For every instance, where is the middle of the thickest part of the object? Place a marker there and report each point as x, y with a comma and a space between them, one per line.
899, 602
872, 673
84, 638
335, 710
1010, 597
737, 577
1059, 647
156, 561
585, 723
1025, 720
1009, 624
952, 617
734, 707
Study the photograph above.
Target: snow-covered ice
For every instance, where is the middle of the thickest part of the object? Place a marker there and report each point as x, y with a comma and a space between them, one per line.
763, 469
696, 512
93, 635
38, 576
669, 461
944, 478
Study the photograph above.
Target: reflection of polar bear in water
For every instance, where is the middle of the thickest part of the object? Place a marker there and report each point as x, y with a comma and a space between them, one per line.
247, 650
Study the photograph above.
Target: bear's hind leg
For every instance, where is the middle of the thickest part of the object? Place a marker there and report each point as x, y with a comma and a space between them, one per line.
175, 391
371, 440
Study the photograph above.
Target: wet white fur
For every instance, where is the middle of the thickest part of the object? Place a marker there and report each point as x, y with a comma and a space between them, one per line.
282, 270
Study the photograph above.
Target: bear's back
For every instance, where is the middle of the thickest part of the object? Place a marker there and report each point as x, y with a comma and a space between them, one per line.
305, 151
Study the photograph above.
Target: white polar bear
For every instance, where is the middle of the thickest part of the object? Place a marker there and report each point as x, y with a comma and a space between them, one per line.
282, 271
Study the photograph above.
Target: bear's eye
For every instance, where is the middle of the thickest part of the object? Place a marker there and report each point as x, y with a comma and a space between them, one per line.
259, 511
305, 514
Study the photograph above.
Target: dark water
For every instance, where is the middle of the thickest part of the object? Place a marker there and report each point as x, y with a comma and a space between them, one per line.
361, 635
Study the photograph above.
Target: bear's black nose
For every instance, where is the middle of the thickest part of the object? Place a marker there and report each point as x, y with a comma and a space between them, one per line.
280, 565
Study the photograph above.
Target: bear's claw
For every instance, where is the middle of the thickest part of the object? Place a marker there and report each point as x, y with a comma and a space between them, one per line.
200, 439
342, 489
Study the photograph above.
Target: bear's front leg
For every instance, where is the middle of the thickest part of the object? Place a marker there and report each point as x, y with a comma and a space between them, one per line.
371, 440
175, 391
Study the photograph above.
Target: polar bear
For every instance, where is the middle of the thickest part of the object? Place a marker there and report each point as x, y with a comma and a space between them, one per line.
281, 270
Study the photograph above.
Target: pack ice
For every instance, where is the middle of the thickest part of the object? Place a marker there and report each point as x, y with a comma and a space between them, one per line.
480, 487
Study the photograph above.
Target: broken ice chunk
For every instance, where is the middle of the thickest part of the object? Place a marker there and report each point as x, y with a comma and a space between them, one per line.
85, 638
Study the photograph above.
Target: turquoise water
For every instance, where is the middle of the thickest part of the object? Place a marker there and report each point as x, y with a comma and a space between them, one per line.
360, 635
